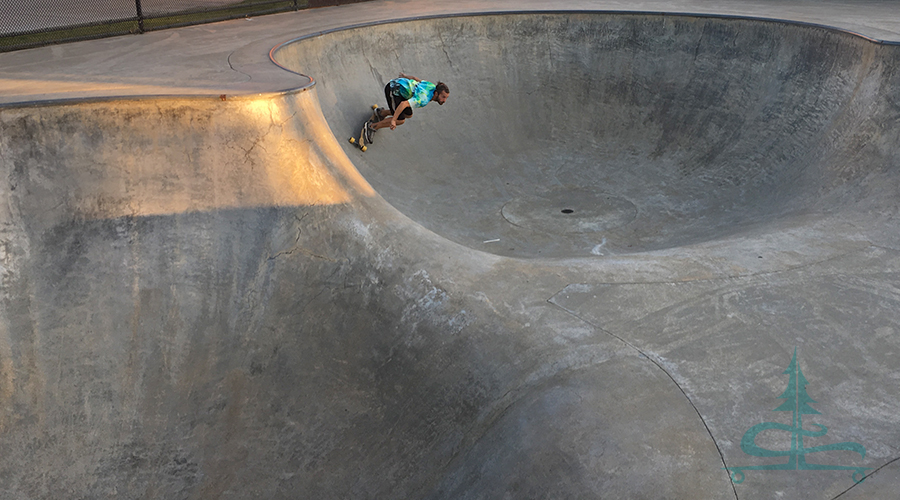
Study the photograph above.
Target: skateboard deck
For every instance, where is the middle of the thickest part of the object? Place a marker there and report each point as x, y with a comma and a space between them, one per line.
362, 143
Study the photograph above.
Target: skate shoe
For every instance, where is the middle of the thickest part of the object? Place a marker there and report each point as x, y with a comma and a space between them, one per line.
370, 132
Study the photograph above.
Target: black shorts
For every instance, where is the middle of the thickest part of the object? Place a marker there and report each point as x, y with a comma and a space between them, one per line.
394, 100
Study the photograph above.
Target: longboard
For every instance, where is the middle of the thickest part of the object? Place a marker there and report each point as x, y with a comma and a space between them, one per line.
361, 143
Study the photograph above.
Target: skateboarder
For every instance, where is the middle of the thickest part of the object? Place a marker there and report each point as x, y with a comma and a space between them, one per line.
403, 94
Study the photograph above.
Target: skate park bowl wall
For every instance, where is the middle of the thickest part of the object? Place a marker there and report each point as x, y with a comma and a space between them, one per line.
203, 298
580, 134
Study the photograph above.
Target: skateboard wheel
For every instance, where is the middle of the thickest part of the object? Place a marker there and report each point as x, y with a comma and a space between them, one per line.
363, 149
374, 106
352, 140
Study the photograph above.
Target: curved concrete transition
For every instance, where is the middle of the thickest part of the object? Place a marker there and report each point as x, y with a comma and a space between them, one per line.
589, 275
710, 128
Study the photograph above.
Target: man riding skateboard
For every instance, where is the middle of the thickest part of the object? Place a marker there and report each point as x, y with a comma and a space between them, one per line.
404, 94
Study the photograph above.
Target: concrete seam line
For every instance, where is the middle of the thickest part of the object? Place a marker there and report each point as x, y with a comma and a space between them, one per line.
669, 375
236, 70
854, 485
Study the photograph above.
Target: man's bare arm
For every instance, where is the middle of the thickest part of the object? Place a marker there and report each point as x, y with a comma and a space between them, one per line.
397, 112
409, 77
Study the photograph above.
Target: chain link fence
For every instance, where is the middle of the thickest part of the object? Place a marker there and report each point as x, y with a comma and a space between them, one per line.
33, 23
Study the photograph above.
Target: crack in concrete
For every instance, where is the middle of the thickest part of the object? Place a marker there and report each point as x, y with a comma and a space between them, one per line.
299, 248
258, 142
697, 48
444, 49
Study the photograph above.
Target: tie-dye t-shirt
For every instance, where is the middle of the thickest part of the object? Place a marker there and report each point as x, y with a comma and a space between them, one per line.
419, 94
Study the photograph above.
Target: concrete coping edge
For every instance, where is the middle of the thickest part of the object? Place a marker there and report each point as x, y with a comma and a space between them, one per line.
312, 81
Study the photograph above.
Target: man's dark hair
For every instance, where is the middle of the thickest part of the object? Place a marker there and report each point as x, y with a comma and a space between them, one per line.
441, 87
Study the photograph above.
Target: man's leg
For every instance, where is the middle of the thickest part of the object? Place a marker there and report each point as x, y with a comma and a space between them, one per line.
386, 114
386, 123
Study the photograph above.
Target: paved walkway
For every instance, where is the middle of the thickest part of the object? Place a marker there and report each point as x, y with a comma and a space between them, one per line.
231, 57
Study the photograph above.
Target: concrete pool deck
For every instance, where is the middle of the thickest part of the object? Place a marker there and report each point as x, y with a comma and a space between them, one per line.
210, 297
230, 57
